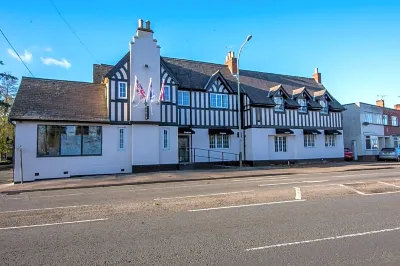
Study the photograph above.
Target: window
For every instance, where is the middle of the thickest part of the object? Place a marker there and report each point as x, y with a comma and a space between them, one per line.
167, 93
396, 142
258, 116
378, 119
303, 105
330, 140
371, 143
368, 117
122, 90
395, 121
165, 139
309, 141
280, 144
324, 105
385, 119
183, 98
279, 105
121, 139
69, 140
218, 100
219, 141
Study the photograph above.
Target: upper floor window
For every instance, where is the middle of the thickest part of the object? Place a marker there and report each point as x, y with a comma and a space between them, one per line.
324, 105
258, 116
385, 119
183, 98
303, 105
378, 119
279, 105
122, 90
368, 117
218, 100
167, 93
395, 121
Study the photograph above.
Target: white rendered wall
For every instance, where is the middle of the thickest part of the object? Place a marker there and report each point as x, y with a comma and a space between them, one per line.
145, 145
169, 155
111, 161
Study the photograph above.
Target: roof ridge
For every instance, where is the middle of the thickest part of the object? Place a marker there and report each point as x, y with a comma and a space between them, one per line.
72, 81
196, 61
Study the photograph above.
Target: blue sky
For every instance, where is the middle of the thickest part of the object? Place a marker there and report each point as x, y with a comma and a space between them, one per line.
355, 44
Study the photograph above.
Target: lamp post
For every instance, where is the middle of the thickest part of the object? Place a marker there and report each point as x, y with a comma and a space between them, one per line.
238, 101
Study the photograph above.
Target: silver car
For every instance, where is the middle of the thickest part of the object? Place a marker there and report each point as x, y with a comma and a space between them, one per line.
389, 154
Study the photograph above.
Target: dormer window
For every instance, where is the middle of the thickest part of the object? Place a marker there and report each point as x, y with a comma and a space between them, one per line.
279, 106
303, 105
324, 105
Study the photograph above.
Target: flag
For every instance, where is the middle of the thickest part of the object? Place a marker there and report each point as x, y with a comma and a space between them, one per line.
139, 90
161, 98
150, 92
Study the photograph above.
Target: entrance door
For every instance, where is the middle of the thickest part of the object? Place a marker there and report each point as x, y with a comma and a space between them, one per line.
184, 151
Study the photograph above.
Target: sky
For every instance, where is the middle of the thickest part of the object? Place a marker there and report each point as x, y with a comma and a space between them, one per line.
355, 44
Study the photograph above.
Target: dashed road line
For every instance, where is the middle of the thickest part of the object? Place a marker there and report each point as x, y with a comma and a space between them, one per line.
289, 183
44, 209
206, 195
388, 184
352, 189
51, 224
325, 239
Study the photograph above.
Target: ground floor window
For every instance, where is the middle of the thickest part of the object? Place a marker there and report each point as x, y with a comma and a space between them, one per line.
396, 142
371, 143
280, 144
121, 138
330, 140
53, 140
309, 141
219, 141
165, 139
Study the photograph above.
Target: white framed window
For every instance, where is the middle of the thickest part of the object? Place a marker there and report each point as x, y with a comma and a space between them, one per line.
385, 119
309, 141
303, 105
183, 98
122, 88
219, 141
378, 119
121, 138
167, 93
279, 105
330, 140
371, 143
395, 121
165, 139
324, 105
280, 144
218, 100
396, 141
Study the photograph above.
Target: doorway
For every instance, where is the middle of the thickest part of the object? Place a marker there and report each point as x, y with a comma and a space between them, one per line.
183, 149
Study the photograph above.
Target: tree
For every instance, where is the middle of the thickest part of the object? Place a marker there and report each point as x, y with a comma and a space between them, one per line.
8, 90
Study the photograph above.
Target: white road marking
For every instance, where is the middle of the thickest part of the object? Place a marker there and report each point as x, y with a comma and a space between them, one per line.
325, 239
246, 205
355, 175
382, 193
289, 183
298, 193
42, 225
43, 209
206, 195
388, 184
354, 183
320, 185
261, 178
352, 189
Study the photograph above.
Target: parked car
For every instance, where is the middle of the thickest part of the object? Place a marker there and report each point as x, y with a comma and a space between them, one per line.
348, 154
389, 154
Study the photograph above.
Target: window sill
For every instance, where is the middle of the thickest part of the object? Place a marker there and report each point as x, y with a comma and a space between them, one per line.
62, 156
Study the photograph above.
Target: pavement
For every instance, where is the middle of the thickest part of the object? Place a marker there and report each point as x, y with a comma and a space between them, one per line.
319, 218
181, 176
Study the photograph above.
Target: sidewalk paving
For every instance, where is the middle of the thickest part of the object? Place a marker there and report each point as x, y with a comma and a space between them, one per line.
181, 176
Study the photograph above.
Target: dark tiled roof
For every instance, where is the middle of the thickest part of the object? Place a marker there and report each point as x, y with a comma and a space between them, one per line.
59, 100
195, 75
99, 72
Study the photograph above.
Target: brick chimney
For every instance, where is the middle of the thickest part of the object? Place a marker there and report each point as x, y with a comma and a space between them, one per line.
231, 62
380, 103
317, 76
397, 107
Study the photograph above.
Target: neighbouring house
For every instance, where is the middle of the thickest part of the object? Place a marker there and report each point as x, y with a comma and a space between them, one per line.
70, 128
369, 128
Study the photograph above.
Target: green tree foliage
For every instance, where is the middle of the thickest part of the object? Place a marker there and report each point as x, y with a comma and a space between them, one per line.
8, 90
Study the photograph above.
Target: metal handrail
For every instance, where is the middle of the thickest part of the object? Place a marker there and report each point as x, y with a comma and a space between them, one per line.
192, 155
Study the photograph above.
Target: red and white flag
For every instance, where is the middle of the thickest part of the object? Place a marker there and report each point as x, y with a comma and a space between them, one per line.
161, 98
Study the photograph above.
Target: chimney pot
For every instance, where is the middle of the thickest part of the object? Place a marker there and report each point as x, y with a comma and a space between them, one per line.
317, 76
397, 107
140, 22
380, 103
148, 24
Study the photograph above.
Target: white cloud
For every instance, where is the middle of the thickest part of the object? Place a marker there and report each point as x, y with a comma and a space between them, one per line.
52, 61
26, 57
48, 49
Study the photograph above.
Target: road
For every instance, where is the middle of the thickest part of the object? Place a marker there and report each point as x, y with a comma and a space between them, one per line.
346, 218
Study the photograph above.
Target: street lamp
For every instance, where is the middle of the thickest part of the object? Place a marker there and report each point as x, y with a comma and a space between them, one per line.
238, 101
